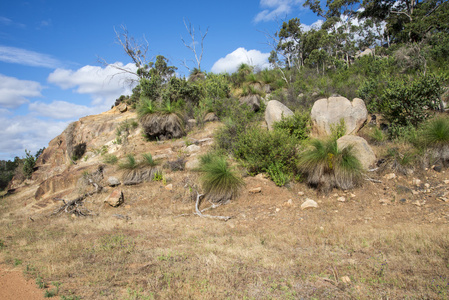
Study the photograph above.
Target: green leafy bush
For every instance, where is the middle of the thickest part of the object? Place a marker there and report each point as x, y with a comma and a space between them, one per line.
407, 103
219, 180
326, 167
297, 125
259, 149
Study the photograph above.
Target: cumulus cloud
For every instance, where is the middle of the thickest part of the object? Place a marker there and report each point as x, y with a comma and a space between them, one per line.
15, 92
24, 132
27, 58
231, 62
274, 9
104, 85
62, 110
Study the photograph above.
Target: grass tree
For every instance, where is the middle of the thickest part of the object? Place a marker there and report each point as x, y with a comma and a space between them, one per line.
219, 180
326, 166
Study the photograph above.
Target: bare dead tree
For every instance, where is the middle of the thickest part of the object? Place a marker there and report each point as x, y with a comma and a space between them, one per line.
198, 53
137, 50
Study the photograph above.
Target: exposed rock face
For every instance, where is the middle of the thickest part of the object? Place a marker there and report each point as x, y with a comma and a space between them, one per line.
328, 112
253, 101
163, 127
362, 150
275, 111
55, 172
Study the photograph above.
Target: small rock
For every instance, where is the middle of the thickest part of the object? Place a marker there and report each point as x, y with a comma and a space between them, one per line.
384, 201
416, 181
352, 195
278, 209
390, 176
193, 148
345, 279
73, 216
341, 199
169, 187
438, 168
113, 181
115, 198
446, 181
415, 192
417, 203
335, 195
426, 185
301, 193
210, 117
403, 200
443, 199
289, 202
309, 203
255, 190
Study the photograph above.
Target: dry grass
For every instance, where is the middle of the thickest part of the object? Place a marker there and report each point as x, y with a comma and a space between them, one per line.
386, 251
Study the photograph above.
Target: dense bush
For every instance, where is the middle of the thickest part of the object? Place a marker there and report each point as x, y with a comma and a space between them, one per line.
297, 126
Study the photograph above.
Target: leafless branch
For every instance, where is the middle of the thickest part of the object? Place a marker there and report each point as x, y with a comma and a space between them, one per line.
74, 206
192, 47
199, 212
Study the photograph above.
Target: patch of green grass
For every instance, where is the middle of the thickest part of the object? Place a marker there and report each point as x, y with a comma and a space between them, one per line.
436, 132
110, 159
40, 282
17, 262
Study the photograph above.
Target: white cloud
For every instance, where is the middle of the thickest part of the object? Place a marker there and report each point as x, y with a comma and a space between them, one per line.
315, 25
24, 132
15, 92
274, 9
231, 62
8, 22
62, 110
104, 85
27, 58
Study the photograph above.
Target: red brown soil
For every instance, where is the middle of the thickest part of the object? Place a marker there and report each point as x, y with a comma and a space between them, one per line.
14, 286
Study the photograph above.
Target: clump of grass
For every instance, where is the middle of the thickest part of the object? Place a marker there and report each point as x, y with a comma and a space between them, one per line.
110, 159
436, 132
129, 163
148, 160
219, 180
377, 136
146, 106
327, 167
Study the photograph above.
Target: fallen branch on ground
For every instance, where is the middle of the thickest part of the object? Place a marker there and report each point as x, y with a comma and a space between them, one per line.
200, 212
75, 206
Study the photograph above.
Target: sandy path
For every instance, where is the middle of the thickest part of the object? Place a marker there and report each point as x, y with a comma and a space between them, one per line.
13, 286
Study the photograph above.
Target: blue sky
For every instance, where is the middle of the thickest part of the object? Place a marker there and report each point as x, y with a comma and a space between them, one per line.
49, 74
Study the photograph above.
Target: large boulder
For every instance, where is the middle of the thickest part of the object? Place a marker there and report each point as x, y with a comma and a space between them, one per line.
163, 126
366, 52
253, 101
327, 113
275, 111
362, 150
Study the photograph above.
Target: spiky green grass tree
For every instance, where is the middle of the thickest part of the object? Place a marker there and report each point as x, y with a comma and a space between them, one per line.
326, 167
219, 180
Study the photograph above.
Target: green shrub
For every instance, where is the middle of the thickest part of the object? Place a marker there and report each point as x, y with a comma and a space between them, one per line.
297, 125
219, 180
28, 164
258, 149
338, 130
277, 174
129, 163
110, 159
326, 167
377, 136
406, 103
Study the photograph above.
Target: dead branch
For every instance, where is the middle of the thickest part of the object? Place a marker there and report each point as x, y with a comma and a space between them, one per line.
74, 206
199, 212
192, 47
